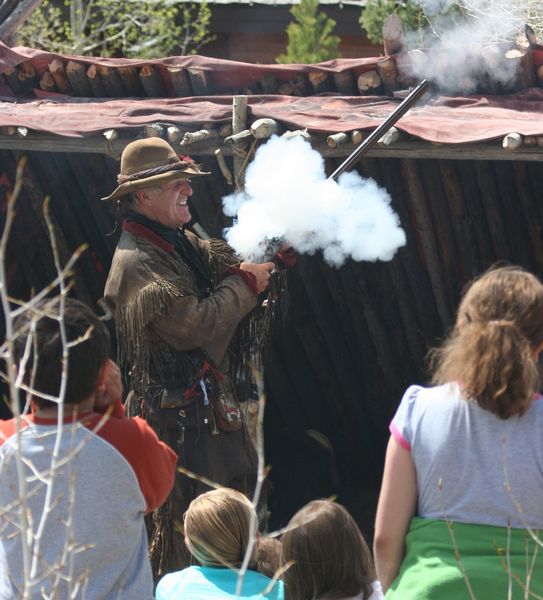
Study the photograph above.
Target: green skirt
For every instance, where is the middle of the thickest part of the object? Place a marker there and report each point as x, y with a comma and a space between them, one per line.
444, 560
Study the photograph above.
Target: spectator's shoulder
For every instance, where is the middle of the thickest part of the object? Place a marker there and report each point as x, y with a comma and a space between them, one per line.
8, 428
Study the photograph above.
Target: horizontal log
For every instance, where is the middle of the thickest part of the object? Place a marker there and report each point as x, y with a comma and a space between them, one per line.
12, 77
200, 82
112, 82
152, 82
191, 137
269, 84
512, 141
416, 149
238, 137
58, 71
77, 76
392, 136
357, 137
337, 139
27, 74
386, 67
369, 83
344, 81
131, 81
321, 81
264, 128
173, 133
111, 135
47, 83
95, 81
288, 135
180, 81
153, 130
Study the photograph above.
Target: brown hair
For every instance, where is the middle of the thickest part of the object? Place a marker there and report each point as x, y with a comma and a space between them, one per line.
330, 556
268, 556
491, 350
217, 528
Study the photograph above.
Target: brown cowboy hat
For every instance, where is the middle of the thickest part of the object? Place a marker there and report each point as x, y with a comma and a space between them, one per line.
151, 161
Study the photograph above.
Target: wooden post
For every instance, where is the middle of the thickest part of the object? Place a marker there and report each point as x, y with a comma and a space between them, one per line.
239, 124
223, 166
393, 38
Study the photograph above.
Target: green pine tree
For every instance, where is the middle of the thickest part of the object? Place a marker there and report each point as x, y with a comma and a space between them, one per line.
310, 38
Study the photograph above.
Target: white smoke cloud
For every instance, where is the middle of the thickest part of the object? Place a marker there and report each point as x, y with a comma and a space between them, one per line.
288, 196
464, 44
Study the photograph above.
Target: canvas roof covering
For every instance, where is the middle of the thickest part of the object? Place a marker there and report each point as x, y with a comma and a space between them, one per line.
439, 119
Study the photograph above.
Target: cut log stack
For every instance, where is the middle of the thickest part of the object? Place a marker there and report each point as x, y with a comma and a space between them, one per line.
389, 74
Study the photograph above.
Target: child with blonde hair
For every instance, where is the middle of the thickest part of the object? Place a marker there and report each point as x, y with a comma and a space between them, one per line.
217, 526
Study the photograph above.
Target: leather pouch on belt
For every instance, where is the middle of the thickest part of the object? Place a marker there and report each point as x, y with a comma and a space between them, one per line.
175, 398
162, 406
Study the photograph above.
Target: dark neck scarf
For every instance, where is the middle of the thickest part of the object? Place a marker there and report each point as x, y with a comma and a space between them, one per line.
183, 247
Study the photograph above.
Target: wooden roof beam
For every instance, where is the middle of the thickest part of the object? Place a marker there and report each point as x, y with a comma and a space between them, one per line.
410, 148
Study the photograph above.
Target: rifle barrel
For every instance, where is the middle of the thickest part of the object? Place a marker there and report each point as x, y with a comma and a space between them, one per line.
378, 133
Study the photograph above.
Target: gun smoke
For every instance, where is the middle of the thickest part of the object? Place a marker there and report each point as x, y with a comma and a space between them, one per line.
288, 197
464, 40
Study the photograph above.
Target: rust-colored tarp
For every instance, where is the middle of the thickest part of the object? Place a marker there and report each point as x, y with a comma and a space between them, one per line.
439, 119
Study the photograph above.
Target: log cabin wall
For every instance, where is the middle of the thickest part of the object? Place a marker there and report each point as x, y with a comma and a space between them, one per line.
354, 338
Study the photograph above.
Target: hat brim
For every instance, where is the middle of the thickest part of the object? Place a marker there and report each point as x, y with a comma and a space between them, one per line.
131, 186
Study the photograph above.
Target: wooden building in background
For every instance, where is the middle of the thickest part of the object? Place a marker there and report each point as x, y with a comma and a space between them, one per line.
254, 31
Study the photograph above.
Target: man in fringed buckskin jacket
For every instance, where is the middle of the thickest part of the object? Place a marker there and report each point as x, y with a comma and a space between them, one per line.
177, 302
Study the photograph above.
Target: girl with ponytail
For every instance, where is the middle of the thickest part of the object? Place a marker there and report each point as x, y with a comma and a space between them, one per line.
462, 493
